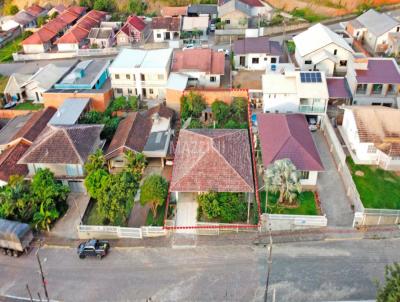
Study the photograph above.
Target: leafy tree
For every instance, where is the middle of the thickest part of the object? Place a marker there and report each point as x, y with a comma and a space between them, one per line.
9, 8
41, 20
192, 105
135, 163
282, 177
86, 3
390, 292
133, 103
232, 124
104, 5
53, 15
195, 124
154, 192
26, 34
136, 7
239, 109
223, 207
94, 181
110, 126
221, 111
13, 198
96, 161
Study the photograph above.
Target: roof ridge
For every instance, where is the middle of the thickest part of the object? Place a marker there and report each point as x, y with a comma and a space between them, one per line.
44, 137
64, 129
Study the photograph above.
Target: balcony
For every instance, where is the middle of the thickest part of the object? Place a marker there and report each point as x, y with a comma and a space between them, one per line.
311, 109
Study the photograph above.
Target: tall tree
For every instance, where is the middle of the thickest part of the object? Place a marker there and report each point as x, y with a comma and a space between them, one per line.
135, 163
192, 105
154, 192
96, 161
282, 177
221, 111
390, 291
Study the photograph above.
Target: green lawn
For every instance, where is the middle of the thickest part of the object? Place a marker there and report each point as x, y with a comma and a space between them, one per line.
159, 219
92, 217
307, 14
11, 47
378, 189
306, 199
28, 106
3, 82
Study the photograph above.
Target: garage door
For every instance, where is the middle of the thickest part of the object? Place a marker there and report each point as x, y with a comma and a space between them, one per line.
77, 186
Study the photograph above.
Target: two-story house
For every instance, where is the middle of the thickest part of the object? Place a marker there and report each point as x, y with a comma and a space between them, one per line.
374, 81
134, 30
257, 53
141, 73
376, 31
166, 28
292, 91
203, 66
319, 48
64, 150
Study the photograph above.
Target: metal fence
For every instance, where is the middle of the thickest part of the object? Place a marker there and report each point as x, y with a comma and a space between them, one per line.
114, 232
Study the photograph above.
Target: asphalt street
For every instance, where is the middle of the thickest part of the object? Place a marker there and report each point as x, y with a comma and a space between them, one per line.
308, 271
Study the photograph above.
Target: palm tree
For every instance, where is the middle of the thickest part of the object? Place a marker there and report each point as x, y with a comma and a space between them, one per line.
282, 177
135, 162
96, 161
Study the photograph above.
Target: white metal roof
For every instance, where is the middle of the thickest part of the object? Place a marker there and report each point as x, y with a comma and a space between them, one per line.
377, 23
138, 58
317, 37
177, 81
70, 111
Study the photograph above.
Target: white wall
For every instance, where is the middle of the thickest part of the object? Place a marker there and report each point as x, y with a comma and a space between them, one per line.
35, 48
203, 78
311, 180
67, 47
34, 93
264, 61
282, 103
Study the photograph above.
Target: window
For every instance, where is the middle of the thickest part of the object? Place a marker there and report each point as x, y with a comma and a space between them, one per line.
377, 88
304, 174
335, 52
160, 76
273, 60
71, 170
151, 91
227, 21
142, 77
158, 35
213, 79
308, 62
119, 90
266, 59
398, 29
129, 91
391, 89
343, 63
371, 149
361, 88
116, 76
128, 76
254, 60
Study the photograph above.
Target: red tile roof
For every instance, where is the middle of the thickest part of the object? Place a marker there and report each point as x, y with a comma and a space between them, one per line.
252, 3
287, 136
79, 10
379, 71
174, 11
9, 159
338, 88
136, 22
212, 160
35, 10
168, 23
42, 36
206, 60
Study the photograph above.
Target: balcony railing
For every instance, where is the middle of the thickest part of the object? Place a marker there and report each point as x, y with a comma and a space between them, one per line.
311, 109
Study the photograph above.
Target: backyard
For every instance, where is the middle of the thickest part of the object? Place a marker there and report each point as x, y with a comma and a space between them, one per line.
306, 200
378, 189
28, 106
11, 47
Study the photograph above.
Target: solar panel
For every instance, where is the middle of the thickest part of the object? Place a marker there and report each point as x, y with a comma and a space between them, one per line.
310, 77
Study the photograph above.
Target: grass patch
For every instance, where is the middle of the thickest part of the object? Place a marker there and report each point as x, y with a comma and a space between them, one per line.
91, 216
378, 189
3, 82
307, 14
306, 199
28, 106
159, 219
8, 49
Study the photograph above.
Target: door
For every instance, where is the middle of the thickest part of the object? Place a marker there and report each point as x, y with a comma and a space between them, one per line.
144, 94
242, 61
167, 35
37, 96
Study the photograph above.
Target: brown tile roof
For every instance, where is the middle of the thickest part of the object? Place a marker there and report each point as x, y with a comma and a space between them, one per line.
34, 10
35, 125
9, 159
212, 160
174, 11
287, 136
133, 132
168, 23
64, 145
206, 60
380, 126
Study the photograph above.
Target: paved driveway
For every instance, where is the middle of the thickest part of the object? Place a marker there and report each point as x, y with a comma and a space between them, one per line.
334, 201
186, 211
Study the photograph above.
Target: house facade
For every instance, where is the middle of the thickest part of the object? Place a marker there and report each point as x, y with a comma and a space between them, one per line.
141, 73
64, 150
370, 133
376, 31
166, 28
192, 24
291, 91
374, 81
234, 14
101, 37
257, 53
133, 31
287, 136
205, 71
320, 49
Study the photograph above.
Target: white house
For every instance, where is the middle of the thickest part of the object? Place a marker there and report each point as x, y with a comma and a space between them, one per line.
141, 73
190, 24
319, 48
286, 136
203, 66
291, 91
376, 30
257, 53
371, 134
374, 81
166, 28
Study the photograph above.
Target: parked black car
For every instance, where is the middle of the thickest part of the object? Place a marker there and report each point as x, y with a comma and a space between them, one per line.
98, 248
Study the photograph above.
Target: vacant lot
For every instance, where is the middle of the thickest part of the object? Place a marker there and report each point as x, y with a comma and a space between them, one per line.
378, 189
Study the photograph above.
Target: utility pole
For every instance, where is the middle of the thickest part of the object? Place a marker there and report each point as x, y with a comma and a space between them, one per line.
29, 292
42, 275
269, 261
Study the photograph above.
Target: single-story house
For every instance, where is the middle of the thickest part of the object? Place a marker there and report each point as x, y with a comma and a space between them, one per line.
287, 136
146, 132
207, 160
191, 24
166, 28
64, 150
174, 11
101, 37
133, 31
210, 10
372, 134
257, 53
70, 111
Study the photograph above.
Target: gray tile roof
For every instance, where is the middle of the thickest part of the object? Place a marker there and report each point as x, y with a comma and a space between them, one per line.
377, 23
